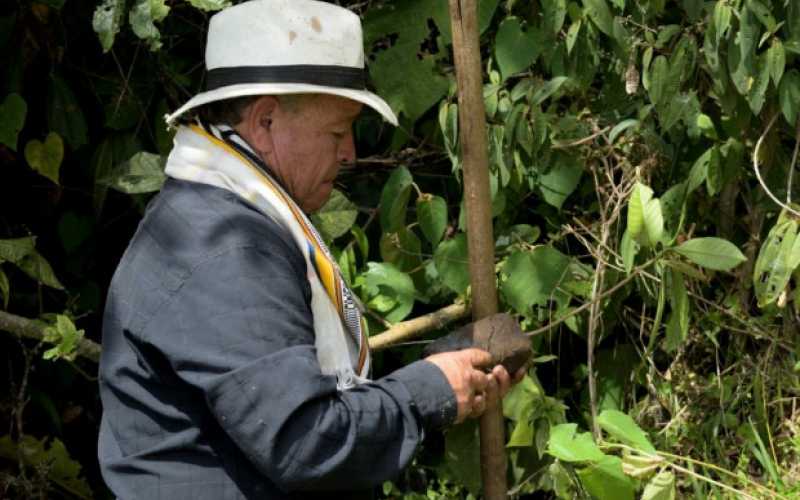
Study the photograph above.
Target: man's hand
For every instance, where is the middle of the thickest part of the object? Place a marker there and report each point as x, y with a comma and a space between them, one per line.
475, 390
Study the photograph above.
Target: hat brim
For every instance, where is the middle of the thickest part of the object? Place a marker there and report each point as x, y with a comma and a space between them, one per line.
246, 89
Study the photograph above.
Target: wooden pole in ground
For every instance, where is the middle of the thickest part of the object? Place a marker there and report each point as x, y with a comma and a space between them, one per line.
477, 198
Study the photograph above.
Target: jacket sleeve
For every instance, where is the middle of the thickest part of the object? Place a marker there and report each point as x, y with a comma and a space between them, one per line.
240, 330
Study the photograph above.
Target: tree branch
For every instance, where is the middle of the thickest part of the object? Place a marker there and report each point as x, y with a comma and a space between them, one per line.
415, 327
35, 330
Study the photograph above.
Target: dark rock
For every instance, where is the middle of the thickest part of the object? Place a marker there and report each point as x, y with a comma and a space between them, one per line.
499, 334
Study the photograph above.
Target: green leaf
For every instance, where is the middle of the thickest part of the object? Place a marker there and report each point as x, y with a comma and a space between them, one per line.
569, 446
35, 266
661, 487
54, 459
776, 61
756, 95
143, 16
46, 157
402, 248
605, 480
620, 127
721, 20
64, 115
560, 181
462, 456
514, 48
600, 15
388, 285
107, 20
711, 253
554, 12
13, 110
65, 336
678, 323
776, 261
645, 221
394, 200
628, 248
789, 96
143, 173
5, 288
336, 217
572, 35
548, 89
622, 427
763, 13
14, 250
452, 263
408, 79
210, 5
531, 277
432, 217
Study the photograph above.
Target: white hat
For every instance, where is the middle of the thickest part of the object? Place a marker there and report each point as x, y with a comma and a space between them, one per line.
270, 47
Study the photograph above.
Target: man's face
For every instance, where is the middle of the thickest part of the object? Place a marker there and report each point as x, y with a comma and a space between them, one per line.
310, 141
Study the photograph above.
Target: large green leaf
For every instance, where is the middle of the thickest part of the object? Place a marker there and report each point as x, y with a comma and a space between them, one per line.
561, 180
14, 250
390, 291
622, 427
404, 75
568, 445
532, 277
678, 323
600, 14
13, 111
661, 487
605, 480
143, 173
776, 61
107, 20
777, 260
143, 16
515, 49
452, 263
712, 253
37, 267
64, 114
46, 157
336, 217
394, 199
432, 217
645, 220
789, 96
549, 88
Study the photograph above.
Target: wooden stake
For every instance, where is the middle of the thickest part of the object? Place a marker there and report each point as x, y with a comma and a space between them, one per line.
477, 198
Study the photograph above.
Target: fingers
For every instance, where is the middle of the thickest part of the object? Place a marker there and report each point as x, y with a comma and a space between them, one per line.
477, 357
503, 380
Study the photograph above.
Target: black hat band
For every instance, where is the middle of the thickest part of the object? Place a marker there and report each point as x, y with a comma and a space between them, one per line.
327, 76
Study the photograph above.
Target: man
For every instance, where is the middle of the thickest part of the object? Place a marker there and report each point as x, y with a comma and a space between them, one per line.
235, 363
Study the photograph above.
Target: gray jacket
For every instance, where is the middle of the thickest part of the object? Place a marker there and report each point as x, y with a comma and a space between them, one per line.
209, 378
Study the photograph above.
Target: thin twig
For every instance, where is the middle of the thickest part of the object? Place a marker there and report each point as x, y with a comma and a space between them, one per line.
758, 171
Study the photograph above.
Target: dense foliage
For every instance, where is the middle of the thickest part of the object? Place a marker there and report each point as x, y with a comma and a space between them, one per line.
641, 153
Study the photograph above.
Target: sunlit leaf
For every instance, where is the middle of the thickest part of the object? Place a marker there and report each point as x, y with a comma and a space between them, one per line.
384, 281
661, 487
107, 20
622, 427
712, 253
336, 217
605, 480
210, 5
143, 173
531, 277
143, 16
570, 446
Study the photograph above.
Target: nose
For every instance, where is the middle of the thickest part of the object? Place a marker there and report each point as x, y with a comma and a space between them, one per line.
347, 150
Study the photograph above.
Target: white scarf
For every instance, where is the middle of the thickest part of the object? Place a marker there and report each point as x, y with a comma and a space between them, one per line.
217, 156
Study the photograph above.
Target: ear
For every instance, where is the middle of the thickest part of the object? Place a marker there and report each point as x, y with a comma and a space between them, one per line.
256, 124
